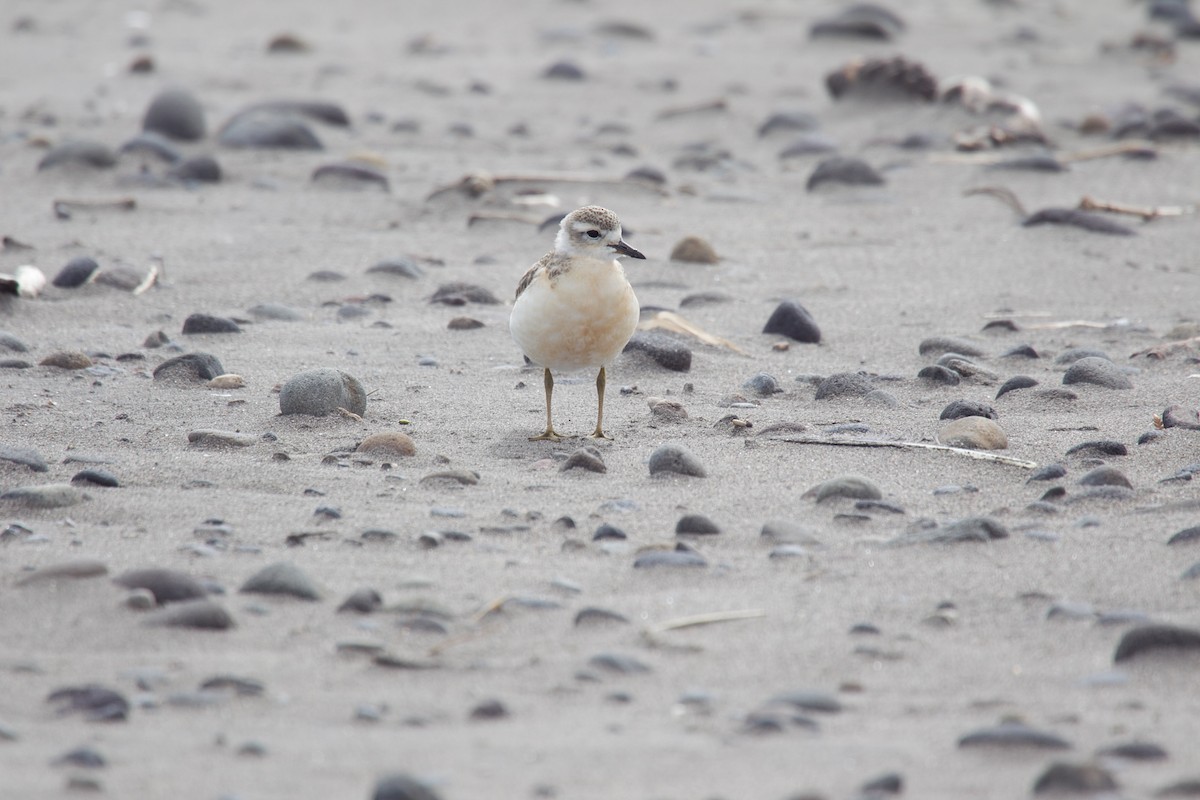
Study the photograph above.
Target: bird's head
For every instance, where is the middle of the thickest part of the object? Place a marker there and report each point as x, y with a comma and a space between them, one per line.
592, 231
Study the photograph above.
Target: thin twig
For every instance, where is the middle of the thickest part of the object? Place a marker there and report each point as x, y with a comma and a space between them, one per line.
1147, 213
711, 618
981, 455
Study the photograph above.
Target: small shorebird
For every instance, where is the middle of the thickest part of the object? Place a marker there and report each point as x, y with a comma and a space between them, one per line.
574, 308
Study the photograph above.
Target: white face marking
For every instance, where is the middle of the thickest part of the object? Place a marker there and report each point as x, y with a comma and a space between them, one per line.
589, 231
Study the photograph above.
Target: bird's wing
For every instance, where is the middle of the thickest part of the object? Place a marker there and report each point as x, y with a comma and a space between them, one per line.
528, 277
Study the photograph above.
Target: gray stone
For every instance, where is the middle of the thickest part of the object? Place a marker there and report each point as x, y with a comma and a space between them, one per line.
1097, 371
794, 321
852, 486
167, 585
198, 614
23, 456
672, 458
662, 349
189, 368
79, 153
403, 787
51, 495
282, 578
322, 391
844, 384
176, 114
270, 130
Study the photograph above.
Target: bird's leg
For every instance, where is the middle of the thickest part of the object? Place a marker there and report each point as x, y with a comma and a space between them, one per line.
599, 432
549, 434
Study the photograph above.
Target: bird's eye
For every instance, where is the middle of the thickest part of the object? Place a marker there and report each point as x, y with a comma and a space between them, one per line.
593, 234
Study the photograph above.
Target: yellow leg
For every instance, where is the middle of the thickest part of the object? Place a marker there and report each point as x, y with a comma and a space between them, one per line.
599, 432
548, 435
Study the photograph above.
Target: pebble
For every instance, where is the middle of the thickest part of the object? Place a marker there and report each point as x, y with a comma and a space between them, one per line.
1050, 472
198, 614
66, 359
317, 392
166, 585
788, 122
1097, 371
593, 616
939, 375
70, 570
1105, 476
220, 439
50, 495
451, 477
1156, 638
83, 757
402, 267
844, 170
362, 601
1074, 779
24, 457
1014, 383
677, 459
350, 175
1020, 351
694, 250
403, 787
1101, 448
176, 114
845, 384
973, 433
696, 525
608, 532
76, 272
1179, 417
810, 144
854, 487
564, 71
793, 320
1012, 735
458, 293
859, 21
267, 129
1087, 220
666, 409
388, 444
464, 324
79, 153
787, 532
227, 381
586, 458
664, 350
808, 700
276, 312
189, 368
968, 408
319, 110
1135, 751
95, 702
763, 384
941, 345
207, 323
281, 578
967, 368
9, 341
1186, 536
618, 664
656, 559
198, 169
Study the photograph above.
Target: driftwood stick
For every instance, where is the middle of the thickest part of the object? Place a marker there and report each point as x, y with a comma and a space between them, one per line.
1147, 213
982, 455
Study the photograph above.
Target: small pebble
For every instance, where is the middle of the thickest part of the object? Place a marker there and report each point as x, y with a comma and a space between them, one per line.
664, 350
207, 323
388, 444
1157, 638
968, 408
1015, 383
166, 585
793, 320
846, 171
51, 495
1105, 476
196, 614
1013, 735
973, 433
851, 486
78, 153
66, 359
696, 525
586, 458
694, 250
76, 272
281, 578
671, 458
937, 346
657, 559
189, 368
322, 391
403, 787
176, 114
95, 702
1098, 372
1074, 779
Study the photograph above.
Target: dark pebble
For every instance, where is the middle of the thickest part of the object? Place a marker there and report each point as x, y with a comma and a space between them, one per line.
83, 757
95, 702
808, 700
79, 153
669, 558
270, 130
1097, 371
874, 79
207, 323
1014, 735
844, 170
1187, 419
1073, 354
789, 122
24, 457
152, 144
675, 459
1080, 219
318, 392
491, 709
704, 299
318, 110
76, 273
564, 71
1020, 351
464, 324
458, 294
401, 267
845, 384
852, 486
608, 532
190, 367
860, 21
362, 601
792, 320
284, 579
1157, 638
1105, 476
200, 169
618, 664
167, 585
664, 350
1014, 383
938, 375
812, 144
970, 529
1135, 751
1075, 779
941, 345
403, 787
176, 114
326, 276
350, 175
1035, 163
762, 384
196, 614
586, 458
599, 616
1050, 472
1102, 448
696, 525
968, 408
1186, 536
889, 783
10, 342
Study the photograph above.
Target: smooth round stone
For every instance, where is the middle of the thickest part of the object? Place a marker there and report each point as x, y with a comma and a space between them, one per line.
322, 391
1157, 639
618, 663
808, 700
608, 532
694, 250
1073, 354
66, 359
93, 155
970, 529
76, 272
350, 175
939, 375
276, 312
217, 440
672, 458
859, 21
844, 384
84, 757
793, 320
1186, 536
696, 525
973, 433
284, 579
937, 346
362, 601
198, 614
1100, 448
762, 384
319, 110
51, 495
198, 169
95, 702
1078, 780
166, 585
24, 457
1050, 472
207, 323
1097, 371
1014, 735
586, 458
8, 341
388, 444
403, 787
787, 532
401, 267
227, 381
189, 368
268, 130
1014, 383
176, 114
1135, 751
664, 350
564, 71
854, 487
150, 144
459, 293
489, 710
968, 408
1105, 476
788, 122
845, 171
96, 477
667, 559
593, 616
809, 144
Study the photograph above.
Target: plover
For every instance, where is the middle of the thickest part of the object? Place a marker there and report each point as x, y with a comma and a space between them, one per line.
574, 308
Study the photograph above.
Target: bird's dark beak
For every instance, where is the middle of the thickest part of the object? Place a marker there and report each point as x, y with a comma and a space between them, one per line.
623, 249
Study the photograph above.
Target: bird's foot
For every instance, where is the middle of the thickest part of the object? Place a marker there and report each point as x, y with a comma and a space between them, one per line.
548, 435
599, 434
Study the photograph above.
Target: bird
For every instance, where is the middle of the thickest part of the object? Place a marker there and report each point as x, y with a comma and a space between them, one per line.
574, 309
